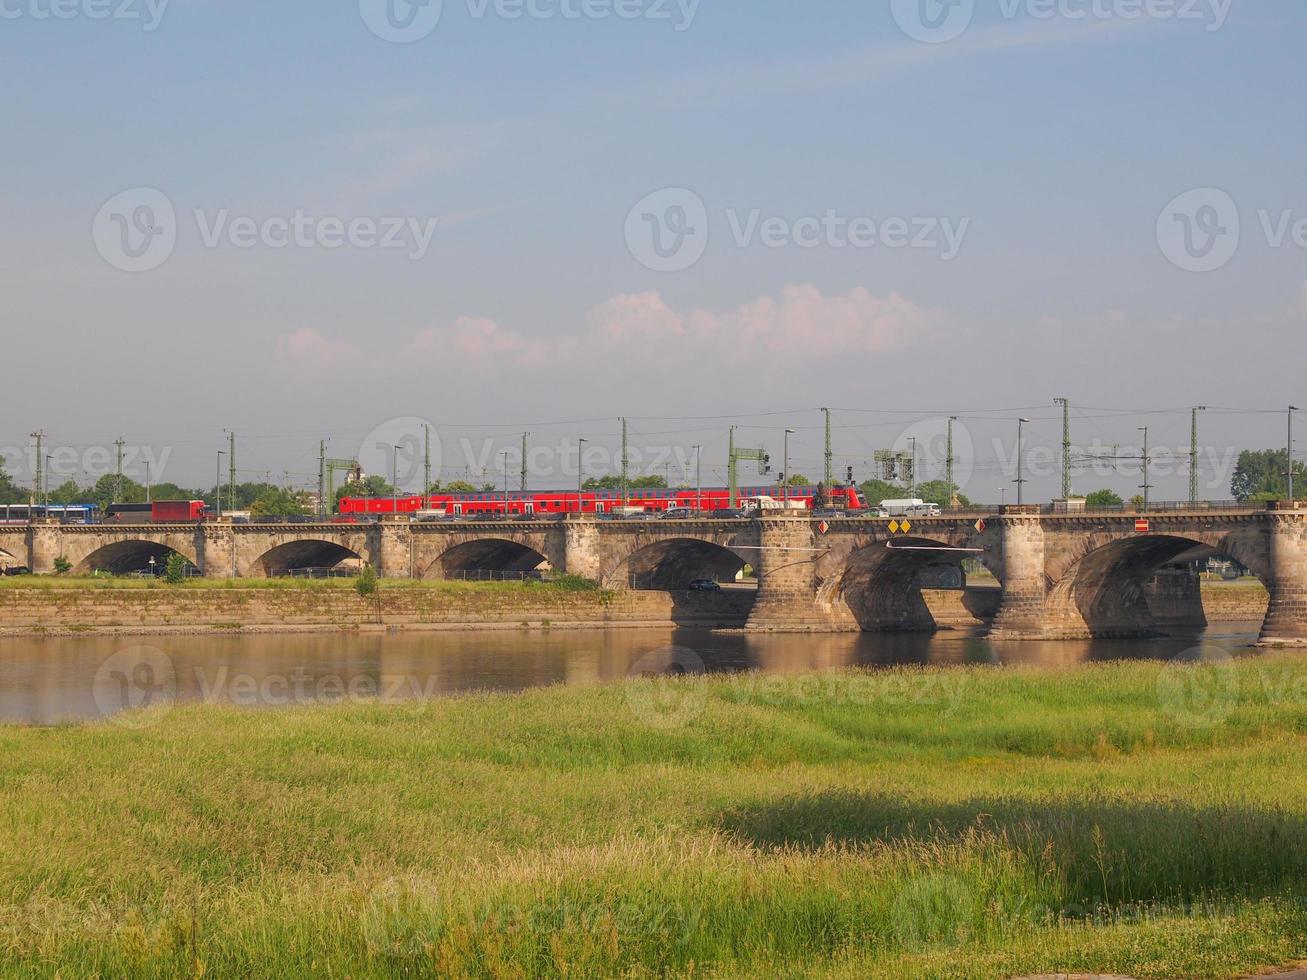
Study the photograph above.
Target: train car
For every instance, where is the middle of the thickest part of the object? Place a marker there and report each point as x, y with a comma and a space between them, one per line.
492, 503
63, 513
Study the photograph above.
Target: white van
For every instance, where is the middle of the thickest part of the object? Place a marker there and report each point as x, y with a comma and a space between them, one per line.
901, 508
924, 510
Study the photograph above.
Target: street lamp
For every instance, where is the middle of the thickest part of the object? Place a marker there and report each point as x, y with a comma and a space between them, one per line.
504, 456
46, 477
394, 478
913, 441
1292, 409
785, 473
1002, 496
1145, 487
217, 484
698, 479
580, 470
1021, 479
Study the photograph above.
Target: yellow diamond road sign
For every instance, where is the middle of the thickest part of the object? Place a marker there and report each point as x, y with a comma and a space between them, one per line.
907, 526
893, 527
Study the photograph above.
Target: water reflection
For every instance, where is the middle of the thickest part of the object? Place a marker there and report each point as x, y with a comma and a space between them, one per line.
46, 681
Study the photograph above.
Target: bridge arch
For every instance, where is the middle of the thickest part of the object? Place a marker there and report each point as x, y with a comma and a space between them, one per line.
671, 564
486, 555
131, 555
880, 582
1110, 589
291, 557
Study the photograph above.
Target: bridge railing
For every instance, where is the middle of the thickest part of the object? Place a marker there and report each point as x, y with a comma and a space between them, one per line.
494, 575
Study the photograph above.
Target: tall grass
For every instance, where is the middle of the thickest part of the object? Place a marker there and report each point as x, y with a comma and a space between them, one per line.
963, 822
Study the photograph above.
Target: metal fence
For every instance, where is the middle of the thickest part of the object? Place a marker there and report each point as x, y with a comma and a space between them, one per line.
494, 575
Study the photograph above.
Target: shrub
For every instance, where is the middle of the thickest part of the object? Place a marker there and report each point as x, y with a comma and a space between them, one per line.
174, 571
366, 584
62, 566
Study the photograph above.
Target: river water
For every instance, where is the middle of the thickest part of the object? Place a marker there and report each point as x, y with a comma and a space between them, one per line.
50, 681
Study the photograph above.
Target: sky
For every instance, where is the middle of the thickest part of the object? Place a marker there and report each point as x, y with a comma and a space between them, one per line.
342, 222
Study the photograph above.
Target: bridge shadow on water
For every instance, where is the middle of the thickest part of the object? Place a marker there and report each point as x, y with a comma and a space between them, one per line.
1084, 855
727, 651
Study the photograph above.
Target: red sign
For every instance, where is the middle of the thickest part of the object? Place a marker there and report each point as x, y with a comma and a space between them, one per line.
980, 526
823, 527
1141, 526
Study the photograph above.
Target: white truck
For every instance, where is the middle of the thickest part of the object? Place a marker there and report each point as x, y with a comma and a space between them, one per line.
763, 502
909, 507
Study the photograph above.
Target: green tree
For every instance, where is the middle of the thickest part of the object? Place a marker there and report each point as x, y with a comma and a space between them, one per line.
10, 492
940, 492
1103, 498
614, 482
459, 486
105, 492
798, 480
174, 570
69, 492
170, 491
366, 584
1262, 474
877, 490
277, 502
373, 486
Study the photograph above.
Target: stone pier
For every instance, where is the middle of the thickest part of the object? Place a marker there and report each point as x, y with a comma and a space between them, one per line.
1286, 618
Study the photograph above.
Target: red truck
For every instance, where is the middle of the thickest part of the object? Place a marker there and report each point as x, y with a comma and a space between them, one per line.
158, 512
173, 511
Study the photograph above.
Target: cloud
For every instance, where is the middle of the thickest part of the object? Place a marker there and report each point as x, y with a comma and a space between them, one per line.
800, 325
309, 348
479, 339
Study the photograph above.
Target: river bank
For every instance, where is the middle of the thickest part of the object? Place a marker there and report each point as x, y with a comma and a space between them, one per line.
944, 822
52, 607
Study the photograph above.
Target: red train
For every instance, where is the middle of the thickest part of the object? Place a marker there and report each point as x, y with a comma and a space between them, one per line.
597, 502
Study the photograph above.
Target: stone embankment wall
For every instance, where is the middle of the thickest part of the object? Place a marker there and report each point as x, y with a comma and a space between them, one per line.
40, 610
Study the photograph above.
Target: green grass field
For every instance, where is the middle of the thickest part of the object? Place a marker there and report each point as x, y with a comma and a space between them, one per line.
970, 822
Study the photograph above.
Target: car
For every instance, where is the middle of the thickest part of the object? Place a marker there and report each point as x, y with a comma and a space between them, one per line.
705, 585
727, 512
677, 513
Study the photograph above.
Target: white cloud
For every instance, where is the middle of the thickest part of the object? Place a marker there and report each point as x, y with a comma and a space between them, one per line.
308, 347
801, 325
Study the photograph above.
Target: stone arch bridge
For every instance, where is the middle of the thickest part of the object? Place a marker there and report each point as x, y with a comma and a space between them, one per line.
1061, 575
